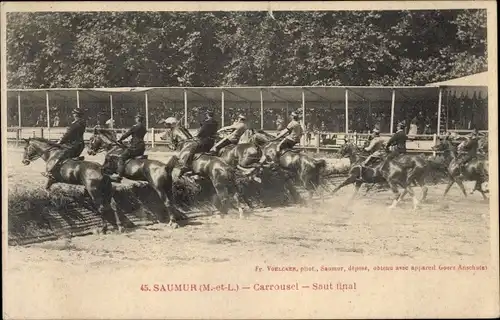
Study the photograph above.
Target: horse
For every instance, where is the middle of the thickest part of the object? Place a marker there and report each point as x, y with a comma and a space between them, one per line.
156, 173
475, 170
222, 176
417, 167
75, 171
386, 171
306, 170
243, 154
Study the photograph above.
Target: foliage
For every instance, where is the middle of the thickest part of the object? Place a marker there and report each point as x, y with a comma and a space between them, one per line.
108, 49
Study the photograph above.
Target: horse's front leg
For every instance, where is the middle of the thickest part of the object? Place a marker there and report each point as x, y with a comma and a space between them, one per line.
166, 199
395, 191
460, 183
236, 198
479, 187
350, 180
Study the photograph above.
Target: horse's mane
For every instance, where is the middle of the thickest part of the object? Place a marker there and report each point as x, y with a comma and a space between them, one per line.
106, 133
47, 141
181, 129
267, 135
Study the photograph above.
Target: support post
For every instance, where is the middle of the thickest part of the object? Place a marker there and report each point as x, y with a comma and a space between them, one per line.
370, 118
392, 109
346, 111
78, 99
185, 108
48, 113
111, 110
152, 137
447, 110
434, 140
261, 110
439, 111
222, 108
146, 104
304, 117
19, 115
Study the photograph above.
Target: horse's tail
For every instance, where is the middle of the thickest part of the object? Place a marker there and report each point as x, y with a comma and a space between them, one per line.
319, 167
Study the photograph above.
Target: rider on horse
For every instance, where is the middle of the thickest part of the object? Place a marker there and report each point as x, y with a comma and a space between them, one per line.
293, 132
137, 144
206, 140
238, 128
71, 143
398, 140
376, 144
470, 147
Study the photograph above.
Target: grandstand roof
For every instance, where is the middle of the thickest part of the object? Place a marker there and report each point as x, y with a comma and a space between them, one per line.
470, 86
478, 79
241, 94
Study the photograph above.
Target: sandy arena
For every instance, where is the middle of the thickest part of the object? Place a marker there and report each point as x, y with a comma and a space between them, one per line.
452, 230
453, 227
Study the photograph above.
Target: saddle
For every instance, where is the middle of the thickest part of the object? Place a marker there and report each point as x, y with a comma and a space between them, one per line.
143, 157
293, 150
80, 158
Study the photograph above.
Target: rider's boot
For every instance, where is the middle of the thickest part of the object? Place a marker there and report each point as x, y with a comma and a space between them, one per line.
119, 172
185, 170
50, 179
52, 165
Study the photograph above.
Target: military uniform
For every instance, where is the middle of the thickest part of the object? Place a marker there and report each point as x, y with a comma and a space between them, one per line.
295, 132
470, 146
137, 145
376, 144
238, 129
206, 140
398, 140
71, 143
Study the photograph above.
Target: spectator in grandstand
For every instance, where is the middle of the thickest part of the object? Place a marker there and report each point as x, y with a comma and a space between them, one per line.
56, 121
413, 127
40, 122
280, 123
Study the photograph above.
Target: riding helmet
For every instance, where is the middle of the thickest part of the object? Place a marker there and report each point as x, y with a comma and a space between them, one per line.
77, 112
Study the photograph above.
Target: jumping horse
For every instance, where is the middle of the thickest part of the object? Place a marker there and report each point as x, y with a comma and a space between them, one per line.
474, 170
416, 166
222, 176
75, 171
157, 174
386, 170
306, 170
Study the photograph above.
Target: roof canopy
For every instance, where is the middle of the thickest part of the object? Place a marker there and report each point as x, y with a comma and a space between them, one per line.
236, 94
475, 85
478, 79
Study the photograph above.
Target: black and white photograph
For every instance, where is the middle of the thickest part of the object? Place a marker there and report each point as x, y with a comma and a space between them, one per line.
268, 162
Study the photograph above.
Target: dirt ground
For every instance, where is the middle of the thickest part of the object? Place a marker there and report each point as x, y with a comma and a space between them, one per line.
453, 229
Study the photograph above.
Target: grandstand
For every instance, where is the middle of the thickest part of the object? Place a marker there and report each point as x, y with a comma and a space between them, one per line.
329, 113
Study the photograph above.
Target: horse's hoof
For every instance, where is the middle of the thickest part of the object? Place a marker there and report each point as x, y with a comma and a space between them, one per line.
219, 216
173, 225
121, 229
241, 213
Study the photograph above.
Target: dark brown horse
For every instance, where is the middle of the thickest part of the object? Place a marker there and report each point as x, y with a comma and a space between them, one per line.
156, 173
385, 171
475, 170
222, 176
307, 171
416, 166
76, 172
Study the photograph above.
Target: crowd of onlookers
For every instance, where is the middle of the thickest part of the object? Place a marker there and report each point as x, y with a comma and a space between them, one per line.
419, 119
